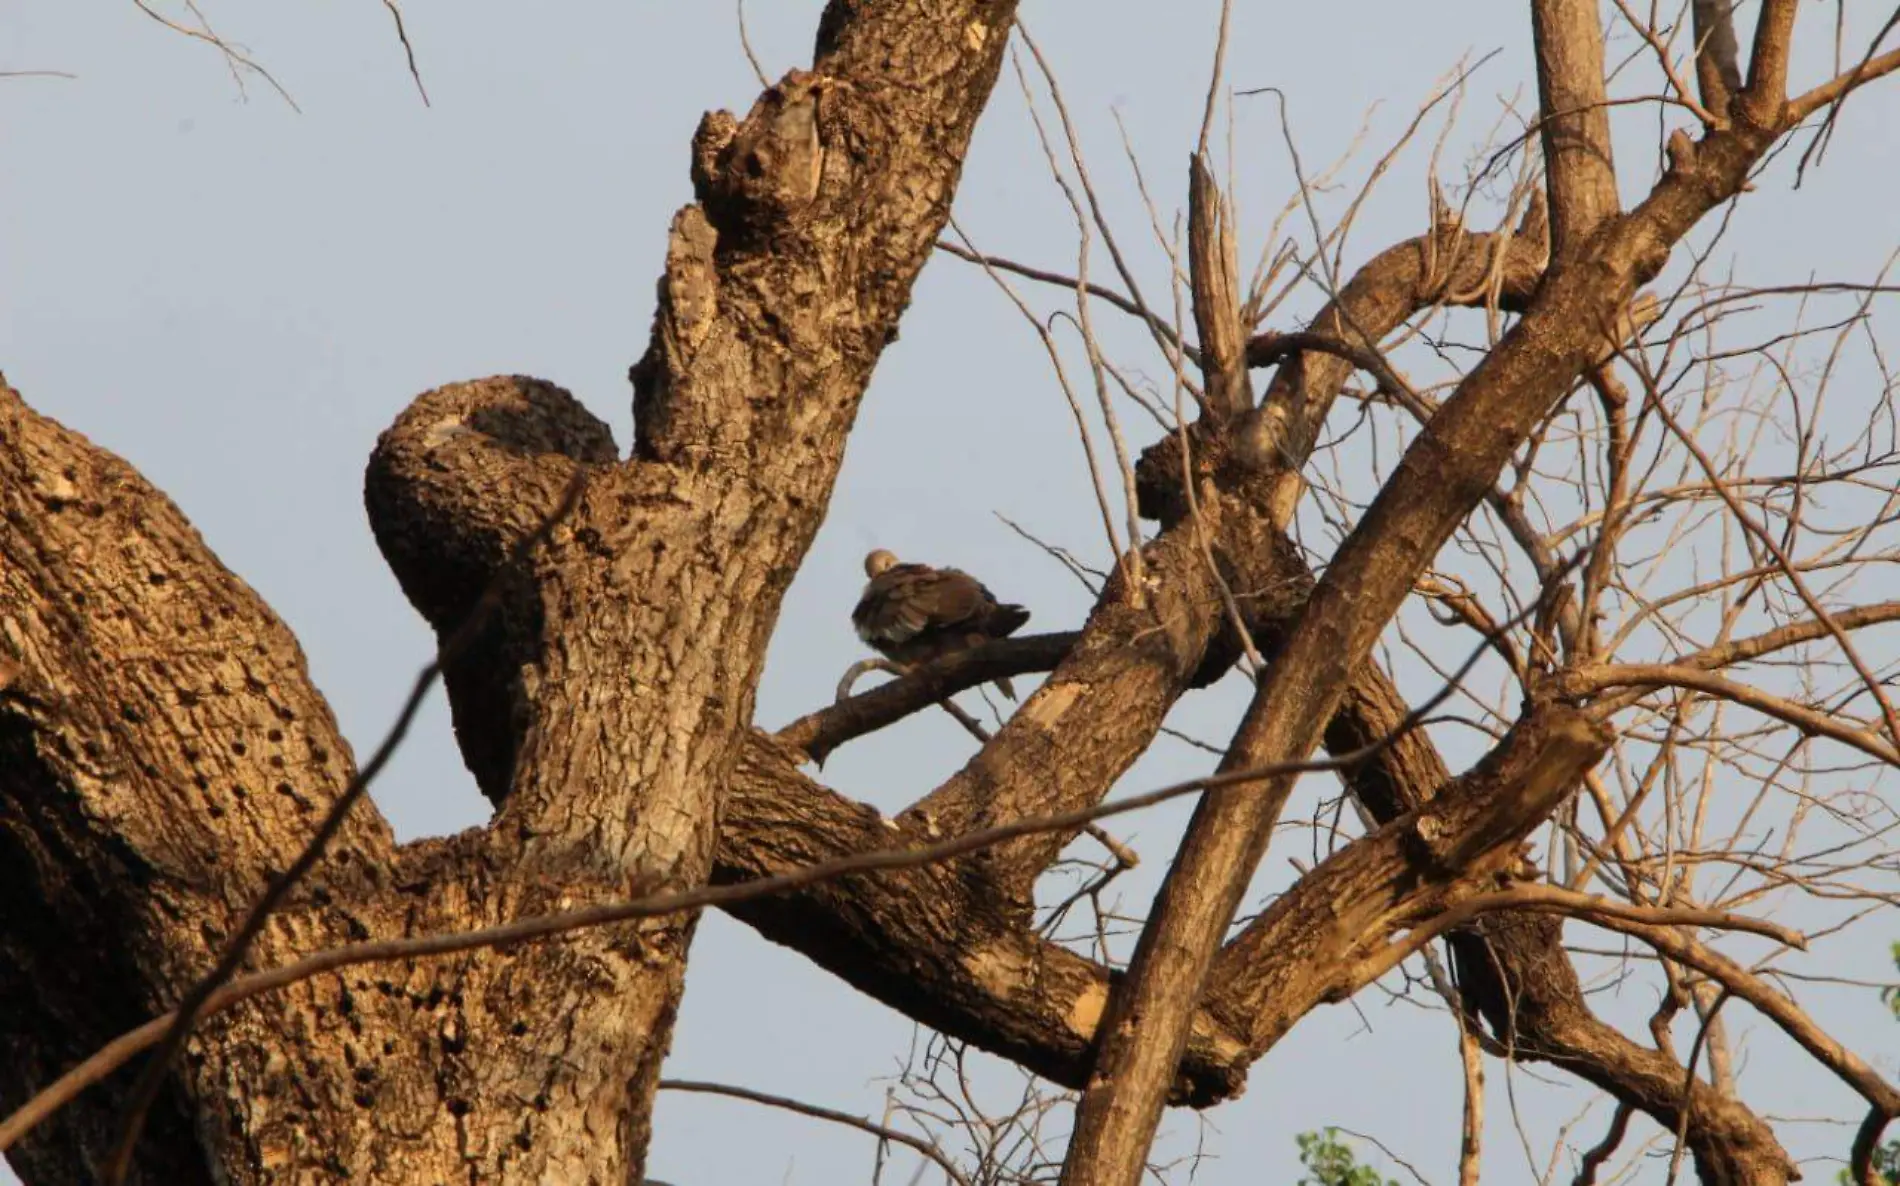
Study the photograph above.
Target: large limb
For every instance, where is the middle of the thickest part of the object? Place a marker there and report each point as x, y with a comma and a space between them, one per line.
926, 941
1442, 476
161, 752
1513, 969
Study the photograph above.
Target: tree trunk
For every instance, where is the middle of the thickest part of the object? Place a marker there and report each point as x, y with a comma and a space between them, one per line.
163, 751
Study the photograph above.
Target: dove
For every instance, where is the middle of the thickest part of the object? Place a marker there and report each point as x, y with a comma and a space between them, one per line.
913, 613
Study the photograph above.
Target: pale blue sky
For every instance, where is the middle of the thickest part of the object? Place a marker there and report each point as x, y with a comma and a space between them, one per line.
238, 298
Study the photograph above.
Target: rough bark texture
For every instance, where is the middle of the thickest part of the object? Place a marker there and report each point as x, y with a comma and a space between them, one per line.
604, 708
162, 750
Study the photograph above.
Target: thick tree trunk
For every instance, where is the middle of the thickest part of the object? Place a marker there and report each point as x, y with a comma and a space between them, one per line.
163, 751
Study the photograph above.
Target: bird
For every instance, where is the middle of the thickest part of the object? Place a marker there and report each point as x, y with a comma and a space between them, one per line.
913, 613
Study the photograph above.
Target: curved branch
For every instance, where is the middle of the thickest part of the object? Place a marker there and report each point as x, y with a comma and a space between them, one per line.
1597, 677
1777, 1007
1860, 1162
819, 733
928, 1149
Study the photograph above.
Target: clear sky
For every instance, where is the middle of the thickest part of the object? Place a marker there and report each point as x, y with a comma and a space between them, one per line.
237, 298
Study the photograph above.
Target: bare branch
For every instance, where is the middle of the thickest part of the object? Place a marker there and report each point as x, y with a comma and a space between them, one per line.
1575, 122
884, 1132
239, 62
1717, 66
1597, 1154
1471, 1130
409, 51
1775, 1006
1160, 328
1839, 88
821, 732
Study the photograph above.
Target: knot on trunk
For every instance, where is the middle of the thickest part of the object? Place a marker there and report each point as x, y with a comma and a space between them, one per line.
753, 175
466, 472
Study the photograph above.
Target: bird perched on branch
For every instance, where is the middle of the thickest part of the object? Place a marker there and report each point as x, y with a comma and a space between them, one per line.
912, 613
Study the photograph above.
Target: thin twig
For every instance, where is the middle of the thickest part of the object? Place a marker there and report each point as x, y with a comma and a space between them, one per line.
1215, 75
1091, 578
1597, 1154
1043, 276
883, 1132
1890, 716
409, 51
1068, 392
234, 58
745, 43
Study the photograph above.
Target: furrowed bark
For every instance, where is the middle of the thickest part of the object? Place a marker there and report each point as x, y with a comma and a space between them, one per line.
646, 626
161, 751
626, 661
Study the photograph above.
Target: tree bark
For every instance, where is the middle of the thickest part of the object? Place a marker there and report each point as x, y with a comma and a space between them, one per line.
1442, 475
165, 750
162, 750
